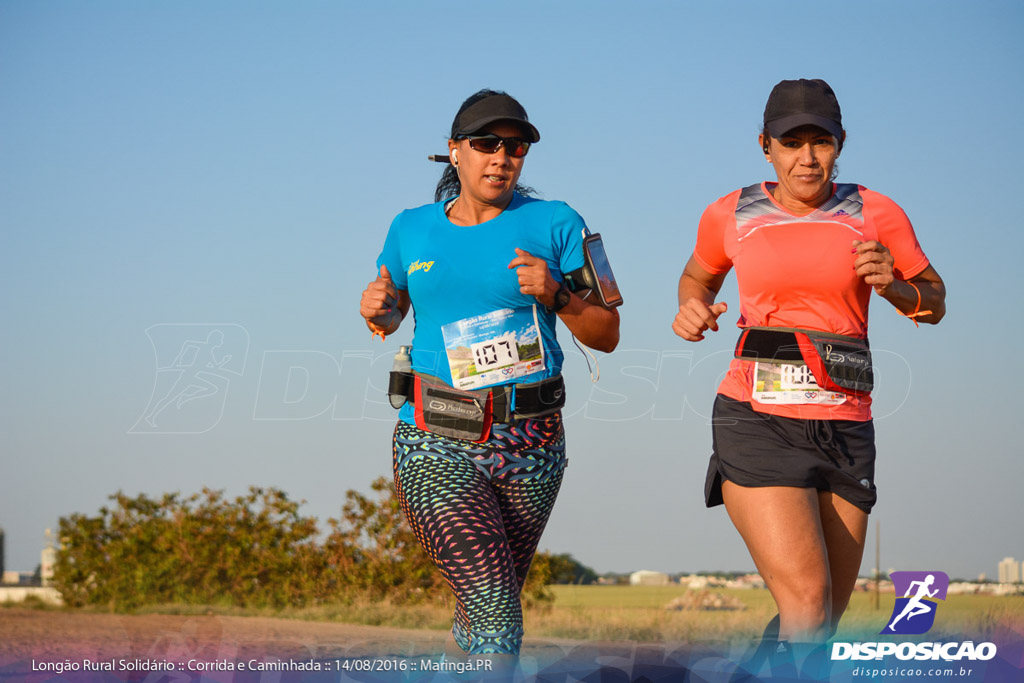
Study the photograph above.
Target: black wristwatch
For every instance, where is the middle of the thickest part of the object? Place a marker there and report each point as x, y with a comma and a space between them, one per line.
562, 297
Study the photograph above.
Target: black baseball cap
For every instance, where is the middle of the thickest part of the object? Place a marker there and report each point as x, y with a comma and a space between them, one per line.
800, 103
490, 109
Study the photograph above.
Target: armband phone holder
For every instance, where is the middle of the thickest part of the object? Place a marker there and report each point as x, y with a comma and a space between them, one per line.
596, 273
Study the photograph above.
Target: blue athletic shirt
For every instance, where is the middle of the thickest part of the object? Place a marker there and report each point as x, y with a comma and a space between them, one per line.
453, 272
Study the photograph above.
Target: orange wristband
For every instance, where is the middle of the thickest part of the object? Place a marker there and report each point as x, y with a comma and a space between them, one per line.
917, 309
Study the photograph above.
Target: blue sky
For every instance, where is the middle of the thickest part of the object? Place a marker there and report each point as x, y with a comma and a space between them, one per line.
172, 169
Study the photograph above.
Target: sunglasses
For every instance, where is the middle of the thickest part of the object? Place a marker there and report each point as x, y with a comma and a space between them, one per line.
489, 144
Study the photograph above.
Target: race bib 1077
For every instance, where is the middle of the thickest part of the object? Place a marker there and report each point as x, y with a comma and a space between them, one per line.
493, 348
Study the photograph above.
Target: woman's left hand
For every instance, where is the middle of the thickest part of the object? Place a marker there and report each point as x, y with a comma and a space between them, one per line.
534, 277
873, 264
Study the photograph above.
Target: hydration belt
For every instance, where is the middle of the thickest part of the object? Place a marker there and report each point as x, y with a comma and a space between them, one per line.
468, 415
838, 363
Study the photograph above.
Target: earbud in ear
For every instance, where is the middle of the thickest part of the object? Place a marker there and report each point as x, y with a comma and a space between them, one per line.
455, 159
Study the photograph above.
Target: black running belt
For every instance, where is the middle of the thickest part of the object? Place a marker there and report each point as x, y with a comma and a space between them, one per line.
531, 400
768, 345
838, 362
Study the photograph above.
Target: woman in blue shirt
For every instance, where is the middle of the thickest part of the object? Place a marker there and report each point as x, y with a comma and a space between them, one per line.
483, 269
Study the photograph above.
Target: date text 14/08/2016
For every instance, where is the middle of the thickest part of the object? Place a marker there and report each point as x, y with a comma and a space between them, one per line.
396, 664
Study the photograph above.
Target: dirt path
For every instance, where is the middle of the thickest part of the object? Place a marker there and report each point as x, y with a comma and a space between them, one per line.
56, 634
29, 637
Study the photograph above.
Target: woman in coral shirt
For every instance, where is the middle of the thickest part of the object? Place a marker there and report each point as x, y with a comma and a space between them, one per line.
794, 449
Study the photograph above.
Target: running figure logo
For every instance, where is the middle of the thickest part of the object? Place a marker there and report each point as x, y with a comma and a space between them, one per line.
914, 612
194, 365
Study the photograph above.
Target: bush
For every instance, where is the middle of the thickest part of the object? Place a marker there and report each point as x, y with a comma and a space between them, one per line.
253, 551
372, 552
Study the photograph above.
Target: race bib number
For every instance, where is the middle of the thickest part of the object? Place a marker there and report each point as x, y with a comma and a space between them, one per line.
790, 384
494, 348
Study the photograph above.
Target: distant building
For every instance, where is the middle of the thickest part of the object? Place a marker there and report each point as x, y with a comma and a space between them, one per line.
866, 585
47, 560
746, 581
1009, 571
648, 578
694, 582
17, 578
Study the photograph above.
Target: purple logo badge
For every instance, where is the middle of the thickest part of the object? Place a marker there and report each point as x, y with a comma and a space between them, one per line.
916, 596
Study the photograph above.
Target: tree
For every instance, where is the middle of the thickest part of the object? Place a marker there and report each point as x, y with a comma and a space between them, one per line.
565, 569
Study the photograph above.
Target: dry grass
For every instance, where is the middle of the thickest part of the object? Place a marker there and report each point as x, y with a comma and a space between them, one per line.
637, 613
30, 602
979, 616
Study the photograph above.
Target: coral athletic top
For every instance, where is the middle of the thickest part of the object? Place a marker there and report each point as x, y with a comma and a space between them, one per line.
797, 271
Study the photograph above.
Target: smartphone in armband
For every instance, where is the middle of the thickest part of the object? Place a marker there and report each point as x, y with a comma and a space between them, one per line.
596, 273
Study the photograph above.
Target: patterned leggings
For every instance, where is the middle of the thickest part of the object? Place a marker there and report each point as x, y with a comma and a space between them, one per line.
478, 510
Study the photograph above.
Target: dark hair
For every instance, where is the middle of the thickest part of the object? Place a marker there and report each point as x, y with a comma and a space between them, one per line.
835, 166
449, 185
